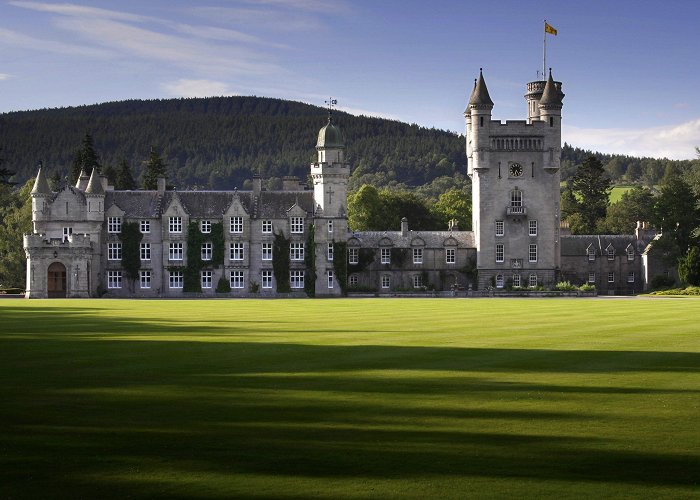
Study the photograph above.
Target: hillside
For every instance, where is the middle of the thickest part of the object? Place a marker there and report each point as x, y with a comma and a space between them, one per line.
222, 141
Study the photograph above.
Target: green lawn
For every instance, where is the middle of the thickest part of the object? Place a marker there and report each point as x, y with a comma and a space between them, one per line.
422, 398
617, 192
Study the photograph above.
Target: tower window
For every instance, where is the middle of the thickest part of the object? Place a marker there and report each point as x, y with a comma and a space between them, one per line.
551, 121
481, 121
516, 198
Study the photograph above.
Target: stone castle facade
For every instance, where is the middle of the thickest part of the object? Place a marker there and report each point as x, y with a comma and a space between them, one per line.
255, 243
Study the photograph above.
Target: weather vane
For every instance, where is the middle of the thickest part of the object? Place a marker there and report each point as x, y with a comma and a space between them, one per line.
331, 103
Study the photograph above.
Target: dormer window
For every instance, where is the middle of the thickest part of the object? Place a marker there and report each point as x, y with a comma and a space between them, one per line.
591, 254
114, 224
610, 252
296, 225
630, 253
175, 225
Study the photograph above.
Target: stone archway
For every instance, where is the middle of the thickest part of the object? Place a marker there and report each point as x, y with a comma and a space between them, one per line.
56, 281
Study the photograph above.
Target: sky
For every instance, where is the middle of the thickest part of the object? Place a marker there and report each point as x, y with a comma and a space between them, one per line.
629, 68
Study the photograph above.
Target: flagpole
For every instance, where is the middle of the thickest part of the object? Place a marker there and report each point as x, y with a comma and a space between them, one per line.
544, 52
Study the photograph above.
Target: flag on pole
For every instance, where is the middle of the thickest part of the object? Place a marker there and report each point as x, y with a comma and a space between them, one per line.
550, 29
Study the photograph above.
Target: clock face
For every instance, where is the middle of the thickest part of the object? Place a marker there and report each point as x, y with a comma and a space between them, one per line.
516, 170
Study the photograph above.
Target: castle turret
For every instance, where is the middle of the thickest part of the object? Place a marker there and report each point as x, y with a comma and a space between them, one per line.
41, 192
330, 173
478, 114
83, 180
95, 196
550, 105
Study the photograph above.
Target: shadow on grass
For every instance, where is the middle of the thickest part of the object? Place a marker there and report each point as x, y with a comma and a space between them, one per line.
99, 419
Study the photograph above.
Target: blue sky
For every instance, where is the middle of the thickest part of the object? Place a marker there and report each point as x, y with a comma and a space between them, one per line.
629, 68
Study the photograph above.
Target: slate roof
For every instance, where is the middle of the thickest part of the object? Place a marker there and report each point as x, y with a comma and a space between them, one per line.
480, 95
552, 95
432, 239
577, 245
41, 185
275, 204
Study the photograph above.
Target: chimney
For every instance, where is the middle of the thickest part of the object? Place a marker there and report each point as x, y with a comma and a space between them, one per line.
161, 184
290, 183
404, 226
105, 183
257, 185
453, 225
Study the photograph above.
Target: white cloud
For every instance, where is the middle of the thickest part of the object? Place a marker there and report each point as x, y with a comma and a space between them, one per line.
272, 20
328, 6
78, 10
196, 88
223, 34
4, 76
675, 142
15, 39
367, 112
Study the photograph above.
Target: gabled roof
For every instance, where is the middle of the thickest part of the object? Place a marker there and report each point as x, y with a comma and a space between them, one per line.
431, 239
577, 245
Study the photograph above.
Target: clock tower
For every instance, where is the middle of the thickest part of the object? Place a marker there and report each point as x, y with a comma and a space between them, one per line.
514, 168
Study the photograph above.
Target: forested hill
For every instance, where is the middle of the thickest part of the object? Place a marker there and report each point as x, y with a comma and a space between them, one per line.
221, 142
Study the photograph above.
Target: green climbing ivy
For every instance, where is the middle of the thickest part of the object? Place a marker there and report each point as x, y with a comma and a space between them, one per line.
131, 259
195, 238
310, 262
340, 264
218, 244
280, 262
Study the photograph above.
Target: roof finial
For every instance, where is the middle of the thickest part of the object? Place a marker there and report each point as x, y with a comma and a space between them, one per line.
331, 103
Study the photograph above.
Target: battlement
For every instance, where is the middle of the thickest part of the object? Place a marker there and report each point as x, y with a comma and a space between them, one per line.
42, 241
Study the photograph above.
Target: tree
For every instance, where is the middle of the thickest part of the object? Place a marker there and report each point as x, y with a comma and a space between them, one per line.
676, 213
5, 174
15, 221
590, 187
689, 267
111, 175
155, 167
365, 209
637, 204
85, 159
454, 204
124, 180
400, 204
55, 181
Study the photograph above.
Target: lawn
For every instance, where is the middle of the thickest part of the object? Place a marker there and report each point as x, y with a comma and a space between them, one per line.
617, 192
421, 398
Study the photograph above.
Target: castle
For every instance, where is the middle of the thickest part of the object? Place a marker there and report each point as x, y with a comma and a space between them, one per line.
89, 240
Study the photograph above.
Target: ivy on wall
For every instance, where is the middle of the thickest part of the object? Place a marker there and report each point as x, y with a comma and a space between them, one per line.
340, 264
310, 262
218, 243
131, 252
280, 262
364, 258
192, 271
398, 256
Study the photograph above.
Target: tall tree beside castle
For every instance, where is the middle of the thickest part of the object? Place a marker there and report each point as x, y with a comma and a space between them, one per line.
588, 196
155, 167
15, 220
124, 179
85, 159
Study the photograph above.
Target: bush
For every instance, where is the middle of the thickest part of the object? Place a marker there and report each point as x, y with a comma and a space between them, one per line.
587, 288
691, 290
565, 286
660, 282
223, 286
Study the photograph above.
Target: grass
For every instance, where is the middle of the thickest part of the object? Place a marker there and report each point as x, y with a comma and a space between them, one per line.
617, 192
421, 398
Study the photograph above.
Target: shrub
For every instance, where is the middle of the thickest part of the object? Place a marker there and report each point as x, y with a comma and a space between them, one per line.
565, 286
660, 282
587, 288
223, 286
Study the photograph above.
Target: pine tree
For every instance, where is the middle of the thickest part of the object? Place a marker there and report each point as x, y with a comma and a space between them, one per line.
155, 167
124, 179
591, 187
85, 159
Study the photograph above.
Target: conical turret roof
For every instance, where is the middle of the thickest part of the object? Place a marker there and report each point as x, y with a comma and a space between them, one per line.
551, 96
41, 185
480, 95
94, 184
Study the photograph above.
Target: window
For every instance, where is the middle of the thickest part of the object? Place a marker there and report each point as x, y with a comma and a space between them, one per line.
330, 251
237, 279
267, 226
330, 226
67, 232
516, 280
236, 251
145, 251
267, 251
450, 255
114, 224
296, 279
206, 251
532, 281
353, 280
205, 226
114, 279
175, 279
516, 198
386, 281
297, 224
532, 227
591, 254
206, 279
330, 279
417, 255
500, 228
175, 252
417, 281
500, 252
386, 255
114, 251
296, 251
611, 277
630, 277
236, 224
266, 278
145, 279
499, 281
532, 253
353, 255
175, 225
591, 277
145, 226
630, 253
611, 253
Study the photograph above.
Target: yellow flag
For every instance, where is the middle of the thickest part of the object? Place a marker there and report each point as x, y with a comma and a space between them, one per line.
550, 29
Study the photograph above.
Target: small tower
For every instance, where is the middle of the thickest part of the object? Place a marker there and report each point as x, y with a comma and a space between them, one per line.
478, 118
40, 197
330, 173
95, 197
549, 106
83, 180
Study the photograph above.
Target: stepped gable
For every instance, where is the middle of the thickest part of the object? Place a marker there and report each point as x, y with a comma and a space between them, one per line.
276, 204
577, 245
135, 204
432, 239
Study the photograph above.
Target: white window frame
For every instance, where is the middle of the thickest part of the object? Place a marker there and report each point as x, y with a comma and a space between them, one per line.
175, 279
205, 226
114, 279
114, 251
206, 251
145, 279
516, 280
450, 255
630, 254
610, 252
532, 280
145, 251
114, 225
236, 251
175, 224
500, 228
591, 277
386, 281
266, 278
330, 226
206, 279
611, 277
176, 251
329, 252
266, 226
532, 228
296, 251
331, 279
296, 279
296, 225
418, 255
532, 252
353, 255
386, 255
266, 251
516, 198
353, 280
145, 226
500, 253
630, 277
237, 279
591, 254
500, 282
236, 224
67, 233
417, 281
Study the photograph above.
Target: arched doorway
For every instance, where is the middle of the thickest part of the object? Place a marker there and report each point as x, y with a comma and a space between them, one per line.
57, 281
